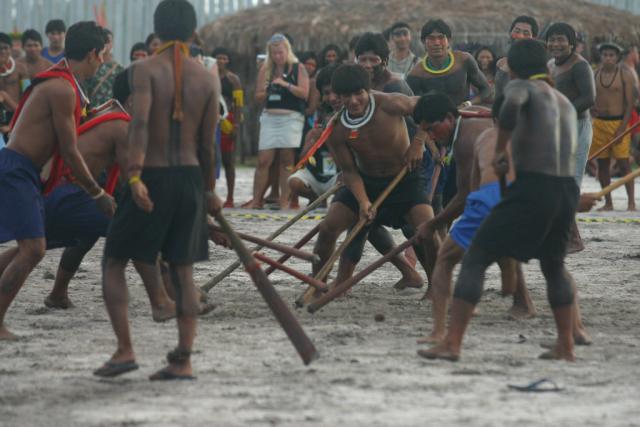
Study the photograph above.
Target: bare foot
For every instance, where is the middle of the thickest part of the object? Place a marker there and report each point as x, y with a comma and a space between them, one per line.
411, 281
518, 312
434, 338
252, 205
163, 312
5, 335
206, 308
440, 351
557, 354
581, 337
631, 207
428, 295
63, 303
605, 208
228, 203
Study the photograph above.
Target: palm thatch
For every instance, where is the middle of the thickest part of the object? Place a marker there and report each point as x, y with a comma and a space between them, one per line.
314, 23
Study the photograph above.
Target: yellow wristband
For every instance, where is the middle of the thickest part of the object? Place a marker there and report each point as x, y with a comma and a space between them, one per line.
134, 179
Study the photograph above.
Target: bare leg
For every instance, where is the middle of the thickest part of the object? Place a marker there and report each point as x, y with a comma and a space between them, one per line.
265, 158
6, 257
604, 176
416, 216
339, 218
298, 188
522, 307
116, 298
69, 263
449, 255
274, 180
162, 307
382, 240
580, 335
287, 157
625, 168
230, 175
508, 275
21, 264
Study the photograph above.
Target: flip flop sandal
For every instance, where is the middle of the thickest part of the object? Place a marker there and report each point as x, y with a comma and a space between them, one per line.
113, 369
540, 386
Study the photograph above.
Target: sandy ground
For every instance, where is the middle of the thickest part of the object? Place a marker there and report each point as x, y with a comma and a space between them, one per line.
368, 372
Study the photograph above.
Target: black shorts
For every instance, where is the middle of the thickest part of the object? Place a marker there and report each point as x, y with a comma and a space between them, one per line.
533, 220
177, 226
409, 192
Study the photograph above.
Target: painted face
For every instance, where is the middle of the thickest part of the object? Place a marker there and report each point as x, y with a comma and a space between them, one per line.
609, 56
222, 60
485, 58
356, 103
369, 61
558, 46
330, 98
139, 54
401, 37
331, 57
278, 53
436, 45
521, 30
440, 131
311, 66
32, 49
5, 53
56, 39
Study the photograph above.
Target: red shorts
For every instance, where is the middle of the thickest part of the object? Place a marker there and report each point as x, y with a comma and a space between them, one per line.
635, 118
227, 142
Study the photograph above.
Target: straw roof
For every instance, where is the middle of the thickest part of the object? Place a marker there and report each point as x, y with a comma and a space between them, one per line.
314, 23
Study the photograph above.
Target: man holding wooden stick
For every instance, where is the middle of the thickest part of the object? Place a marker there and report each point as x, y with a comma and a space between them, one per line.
371, 146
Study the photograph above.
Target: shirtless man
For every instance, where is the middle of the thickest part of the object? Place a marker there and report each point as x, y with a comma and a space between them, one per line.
234, 97
33, 61
371, 145
73, 221
171, 167
573, 77
534, 217
477, 183
46, 123
12, 73
523, 27
615, 100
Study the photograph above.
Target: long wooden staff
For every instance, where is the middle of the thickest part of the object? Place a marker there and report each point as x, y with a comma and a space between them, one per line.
300, 276
341, 288
324, 272
287, 320
303, 241
614, 140
227, 271
619, 183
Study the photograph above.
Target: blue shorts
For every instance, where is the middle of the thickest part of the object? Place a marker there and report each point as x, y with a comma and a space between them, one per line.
72, 215
477, 207
21, 209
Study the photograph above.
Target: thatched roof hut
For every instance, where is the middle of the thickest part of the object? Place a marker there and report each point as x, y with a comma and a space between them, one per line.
315, 23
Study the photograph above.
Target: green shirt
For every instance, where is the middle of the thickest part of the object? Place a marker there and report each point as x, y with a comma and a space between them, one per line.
100, 88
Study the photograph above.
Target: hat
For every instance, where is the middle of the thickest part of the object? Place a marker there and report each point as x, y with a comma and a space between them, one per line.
610, 45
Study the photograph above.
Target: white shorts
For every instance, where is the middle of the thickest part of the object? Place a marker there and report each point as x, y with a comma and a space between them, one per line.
280, 130
312, 183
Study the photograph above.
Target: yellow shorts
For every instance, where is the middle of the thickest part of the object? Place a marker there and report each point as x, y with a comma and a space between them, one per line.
603, 132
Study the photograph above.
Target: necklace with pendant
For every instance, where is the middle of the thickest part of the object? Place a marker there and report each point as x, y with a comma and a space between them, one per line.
357, 123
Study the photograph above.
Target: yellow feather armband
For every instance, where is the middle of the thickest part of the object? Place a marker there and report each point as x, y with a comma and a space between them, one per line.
238, 98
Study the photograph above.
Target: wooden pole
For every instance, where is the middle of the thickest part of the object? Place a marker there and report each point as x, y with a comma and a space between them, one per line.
613, 141
287, 320
300, 276
324, 272
227, 271
341, 288
303, 241
619, 183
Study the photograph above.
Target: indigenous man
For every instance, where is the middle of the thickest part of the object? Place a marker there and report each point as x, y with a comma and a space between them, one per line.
56, 32
478, 184
100, 86
234, 98
12, 75
170, 170
402, 60
371, 145
33, 61
73, 221
615, 100
523, 27
534, 218
44, 124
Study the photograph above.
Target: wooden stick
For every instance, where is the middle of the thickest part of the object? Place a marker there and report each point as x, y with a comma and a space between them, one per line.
305, 239
619, 183
287, 320
613, 141
324, 272
307, 256
347, 284
227, 271
300, 276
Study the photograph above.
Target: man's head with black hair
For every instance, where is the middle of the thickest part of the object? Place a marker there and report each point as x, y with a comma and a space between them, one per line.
138, 51
527, 58
435, 36
352, 83
372, 52
330, 54
523, 27
32, 44
323, 84
121, 88
399, 25
5, 48
401, 35
174, 20
436, 114
610, 53
561, 40
310, 61
84, 38
435, 26
55, 26
31, 35
220, 51
152, 42
5, 39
